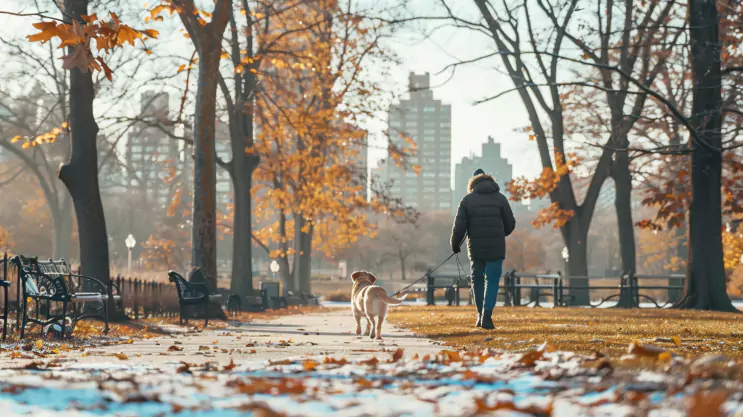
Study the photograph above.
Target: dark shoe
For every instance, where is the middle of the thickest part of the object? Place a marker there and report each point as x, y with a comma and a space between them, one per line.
479, 320
487, 320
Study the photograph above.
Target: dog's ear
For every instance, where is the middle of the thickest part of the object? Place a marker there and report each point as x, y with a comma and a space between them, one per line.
356, 274
373, 278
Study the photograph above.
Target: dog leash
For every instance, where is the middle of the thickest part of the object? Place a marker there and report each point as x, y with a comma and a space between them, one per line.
424, 276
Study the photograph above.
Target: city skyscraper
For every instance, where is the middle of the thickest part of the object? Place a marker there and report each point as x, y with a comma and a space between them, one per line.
491, 161
428, 122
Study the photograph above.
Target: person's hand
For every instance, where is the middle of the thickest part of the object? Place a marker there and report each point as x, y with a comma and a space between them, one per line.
456, 249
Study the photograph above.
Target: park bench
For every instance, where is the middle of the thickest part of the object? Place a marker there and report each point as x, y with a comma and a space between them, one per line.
5, 284
514, 285
192, 294
47, 282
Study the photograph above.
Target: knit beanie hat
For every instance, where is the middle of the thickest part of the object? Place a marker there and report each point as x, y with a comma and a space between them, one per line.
478, 172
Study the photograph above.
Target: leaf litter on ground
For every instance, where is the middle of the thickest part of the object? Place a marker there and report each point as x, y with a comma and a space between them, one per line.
541, 381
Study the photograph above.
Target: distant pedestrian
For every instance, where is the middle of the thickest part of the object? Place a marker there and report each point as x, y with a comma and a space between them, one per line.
485, 218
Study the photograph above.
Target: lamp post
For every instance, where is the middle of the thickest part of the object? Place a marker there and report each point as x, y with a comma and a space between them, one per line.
274, 268
130, 242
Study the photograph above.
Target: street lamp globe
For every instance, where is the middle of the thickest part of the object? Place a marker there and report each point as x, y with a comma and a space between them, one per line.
130, 242
565, 253
741, 259
274, 266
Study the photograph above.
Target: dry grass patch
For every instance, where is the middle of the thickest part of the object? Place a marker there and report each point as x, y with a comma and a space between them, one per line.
607, 331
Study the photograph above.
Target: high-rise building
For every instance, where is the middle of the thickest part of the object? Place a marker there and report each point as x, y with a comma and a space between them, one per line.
152, 154
428, 122
491, 161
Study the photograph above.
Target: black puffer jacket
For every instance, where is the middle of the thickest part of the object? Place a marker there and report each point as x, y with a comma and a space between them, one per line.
485, 216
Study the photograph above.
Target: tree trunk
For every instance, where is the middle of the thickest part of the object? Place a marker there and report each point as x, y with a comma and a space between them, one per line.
303, 254
305, 261
575, 237
204, 231
402, 265
626, 227
242, 248
287, 279
681, 251
705, 284
80, 173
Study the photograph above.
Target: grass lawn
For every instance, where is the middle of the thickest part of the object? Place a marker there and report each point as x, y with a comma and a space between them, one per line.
607, 331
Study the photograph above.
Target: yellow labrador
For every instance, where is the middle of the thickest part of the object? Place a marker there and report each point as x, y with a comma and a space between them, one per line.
370, 301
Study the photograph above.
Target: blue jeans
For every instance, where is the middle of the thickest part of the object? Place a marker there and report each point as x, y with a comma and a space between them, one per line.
485, 282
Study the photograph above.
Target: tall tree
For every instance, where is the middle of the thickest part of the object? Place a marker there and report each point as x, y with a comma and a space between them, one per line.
634, 39
705, 284
20, 119
713, 129
539, 88
80, 172
320, 89
207, 38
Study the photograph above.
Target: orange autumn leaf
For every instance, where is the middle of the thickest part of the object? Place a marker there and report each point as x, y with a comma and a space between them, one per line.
106, 34
310, 365
708, 404
363, 383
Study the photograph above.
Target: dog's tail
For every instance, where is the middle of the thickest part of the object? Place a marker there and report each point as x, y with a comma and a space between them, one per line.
393, 300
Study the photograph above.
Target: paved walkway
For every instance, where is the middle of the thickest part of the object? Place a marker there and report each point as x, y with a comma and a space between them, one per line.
317, 334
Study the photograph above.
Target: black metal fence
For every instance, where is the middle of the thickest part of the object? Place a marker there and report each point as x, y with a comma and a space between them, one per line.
142, 298
628, 290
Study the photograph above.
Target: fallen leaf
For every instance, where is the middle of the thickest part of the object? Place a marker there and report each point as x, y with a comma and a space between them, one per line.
121, 356
309, 365
230, 366
185, 368
397, 355
707, 404
373, 361
363, 383
175, 348
35, 365
649, 351
530, 358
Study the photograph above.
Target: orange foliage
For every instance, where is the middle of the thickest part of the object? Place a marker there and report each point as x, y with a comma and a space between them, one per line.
552, 214
523, 188
657, 251
107, 35
48, 137
160, 254
309, 142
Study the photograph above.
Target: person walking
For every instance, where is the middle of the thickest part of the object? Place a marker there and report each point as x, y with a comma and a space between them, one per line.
485, 218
